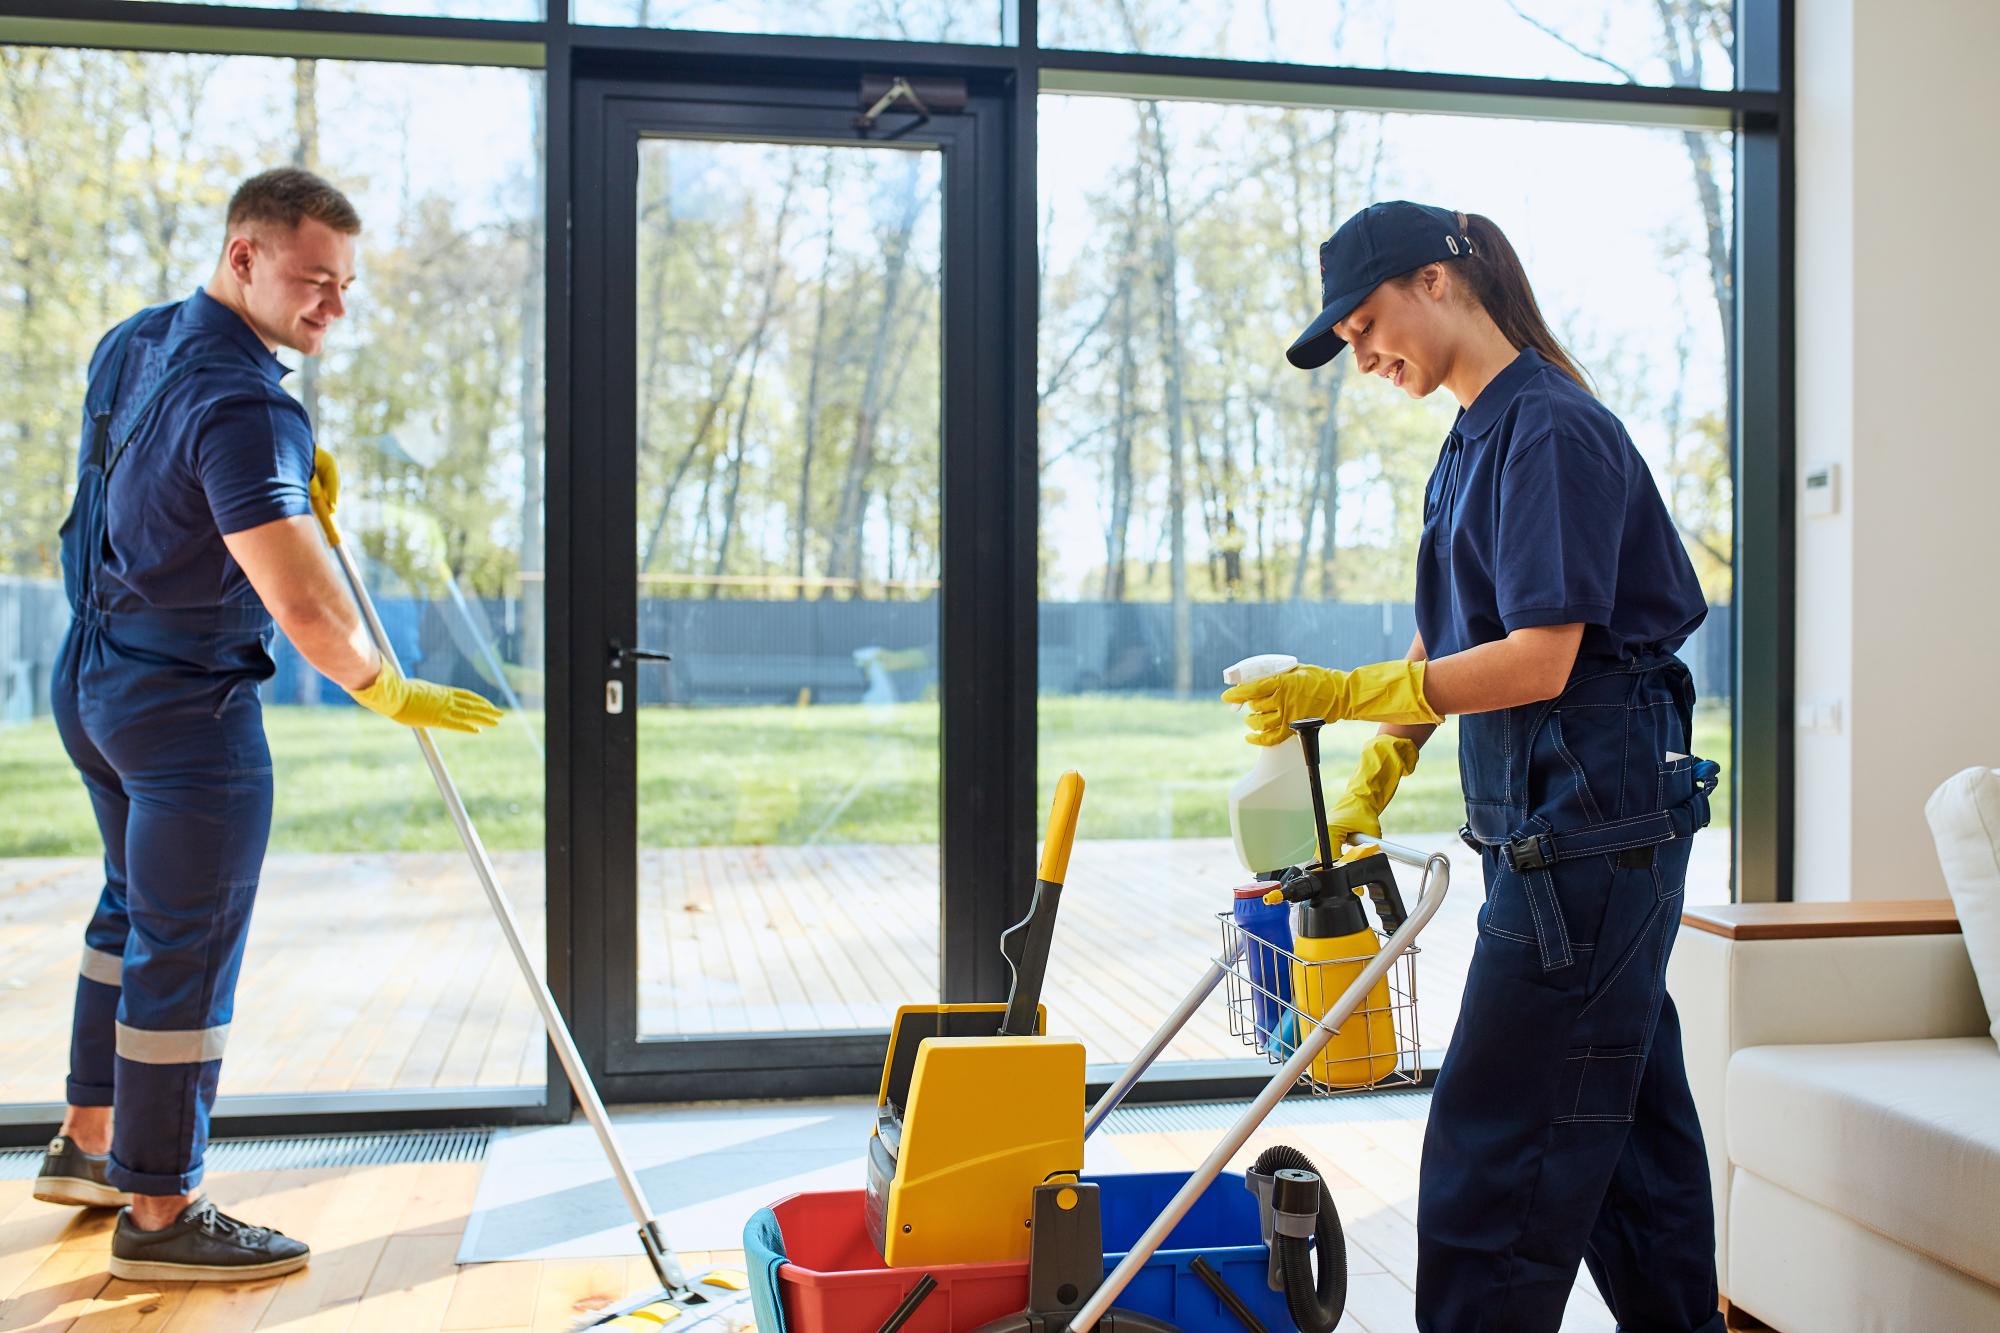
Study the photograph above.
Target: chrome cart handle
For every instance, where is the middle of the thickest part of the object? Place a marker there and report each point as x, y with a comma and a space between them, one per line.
1437, 880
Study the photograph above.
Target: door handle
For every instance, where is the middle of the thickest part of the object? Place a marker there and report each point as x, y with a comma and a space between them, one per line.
619, 654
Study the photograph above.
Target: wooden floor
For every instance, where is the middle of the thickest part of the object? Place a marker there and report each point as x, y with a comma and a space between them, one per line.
385, 970
384, 1238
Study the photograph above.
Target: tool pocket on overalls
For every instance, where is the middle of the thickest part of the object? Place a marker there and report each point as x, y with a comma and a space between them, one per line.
1675, 781
1486, 773
1635, 918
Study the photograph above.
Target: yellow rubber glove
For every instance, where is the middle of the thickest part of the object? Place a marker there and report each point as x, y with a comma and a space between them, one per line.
1379, 692
423, 703
324, 492
1385, 762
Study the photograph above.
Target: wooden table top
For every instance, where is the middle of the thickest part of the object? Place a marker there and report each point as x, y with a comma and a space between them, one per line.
1805, 921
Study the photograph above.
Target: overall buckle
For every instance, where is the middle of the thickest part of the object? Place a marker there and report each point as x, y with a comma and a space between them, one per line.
1535, 852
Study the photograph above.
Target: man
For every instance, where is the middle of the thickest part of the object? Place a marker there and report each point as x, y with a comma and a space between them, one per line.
192, 532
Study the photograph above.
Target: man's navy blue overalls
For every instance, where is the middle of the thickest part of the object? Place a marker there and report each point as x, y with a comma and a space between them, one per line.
1561, 1129
186, 436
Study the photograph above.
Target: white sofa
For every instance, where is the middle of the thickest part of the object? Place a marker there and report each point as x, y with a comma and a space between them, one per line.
1849, 1093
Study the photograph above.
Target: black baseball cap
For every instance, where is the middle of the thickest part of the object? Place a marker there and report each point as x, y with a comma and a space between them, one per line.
1381, 242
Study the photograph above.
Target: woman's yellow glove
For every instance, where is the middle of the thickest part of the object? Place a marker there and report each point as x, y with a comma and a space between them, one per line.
423, 703
324, 492
1379, 692
1385, 762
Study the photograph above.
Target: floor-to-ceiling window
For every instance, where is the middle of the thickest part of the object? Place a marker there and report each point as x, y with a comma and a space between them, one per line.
373, 967
1179, 496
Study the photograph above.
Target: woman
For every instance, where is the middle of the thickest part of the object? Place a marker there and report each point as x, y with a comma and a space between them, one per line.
1551, 595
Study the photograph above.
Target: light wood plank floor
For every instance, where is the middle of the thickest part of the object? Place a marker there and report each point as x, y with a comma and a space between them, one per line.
384, 1238
385, 970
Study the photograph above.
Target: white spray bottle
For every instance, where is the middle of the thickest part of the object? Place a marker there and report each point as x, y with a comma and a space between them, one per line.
1270, 807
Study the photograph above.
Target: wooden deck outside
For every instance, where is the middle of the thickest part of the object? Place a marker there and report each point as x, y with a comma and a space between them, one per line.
385, 970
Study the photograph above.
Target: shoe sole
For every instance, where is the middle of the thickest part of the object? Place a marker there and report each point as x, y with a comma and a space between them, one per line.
79, 1193
133, 1270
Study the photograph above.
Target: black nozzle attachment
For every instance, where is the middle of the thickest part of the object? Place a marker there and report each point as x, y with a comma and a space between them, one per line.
1308, 734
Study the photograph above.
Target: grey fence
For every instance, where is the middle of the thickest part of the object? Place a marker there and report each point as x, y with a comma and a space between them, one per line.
745, 652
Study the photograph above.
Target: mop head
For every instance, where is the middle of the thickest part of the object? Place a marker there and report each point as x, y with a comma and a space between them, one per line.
716, 1302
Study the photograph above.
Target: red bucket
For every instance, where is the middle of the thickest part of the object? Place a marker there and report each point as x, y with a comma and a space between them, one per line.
833, 1281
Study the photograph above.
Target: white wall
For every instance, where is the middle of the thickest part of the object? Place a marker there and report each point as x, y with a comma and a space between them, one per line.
1898, 341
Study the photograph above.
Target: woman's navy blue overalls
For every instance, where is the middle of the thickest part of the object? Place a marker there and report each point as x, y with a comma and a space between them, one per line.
186, 435
1561, 1129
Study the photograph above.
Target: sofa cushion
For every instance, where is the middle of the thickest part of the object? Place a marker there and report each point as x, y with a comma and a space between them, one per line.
1900, 1136
1964, 814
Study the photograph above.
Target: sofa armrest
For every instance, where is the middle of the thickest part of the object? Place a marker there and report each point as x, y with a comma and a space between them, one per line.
1790, 974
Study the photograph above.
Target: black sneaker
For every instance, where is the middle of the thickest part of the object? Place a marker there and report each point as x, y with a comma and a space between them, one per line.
71, 1175
202, 1245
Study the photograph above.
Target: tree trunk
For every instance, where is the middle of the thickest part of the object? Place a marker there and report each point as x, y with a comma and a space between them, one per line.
1118, 533
764, 308
305, 153
802, 519
1166, 271
851, 510
710, 410
528, 376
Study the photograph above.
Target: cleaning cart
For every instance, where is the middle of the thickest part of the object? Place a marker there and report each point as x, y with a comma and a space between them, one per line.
1202, 1260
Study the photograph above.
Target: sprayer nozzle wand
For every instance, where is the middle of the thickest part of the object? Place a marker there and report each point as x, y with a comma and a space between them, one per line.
1308, 733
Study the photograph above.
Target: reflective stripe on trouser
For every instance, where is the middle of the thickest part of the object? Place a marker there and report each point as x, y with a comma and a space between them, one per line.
181, 788
1561, 1128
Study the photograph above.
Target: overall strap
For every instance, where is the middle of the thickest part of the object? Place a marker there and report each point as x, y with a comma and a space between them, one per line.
152, 400
101, 394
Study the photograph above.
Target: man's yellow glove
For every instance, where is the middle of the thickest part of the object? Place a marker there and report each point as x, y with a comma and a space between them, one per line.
1385, 762
1379, 692
423, 703
324, 492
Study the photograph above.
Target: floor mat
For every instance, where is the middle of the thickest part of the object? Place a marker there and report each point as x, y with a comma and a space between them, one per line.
547, 1193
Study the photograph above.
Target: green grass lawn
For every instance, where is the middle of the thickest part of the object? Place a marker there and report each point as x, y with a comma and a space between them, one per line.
349, 782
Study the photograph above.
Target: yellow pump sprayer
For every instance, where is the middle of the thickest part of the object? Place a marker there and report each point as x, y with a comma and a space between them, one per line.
1332, 941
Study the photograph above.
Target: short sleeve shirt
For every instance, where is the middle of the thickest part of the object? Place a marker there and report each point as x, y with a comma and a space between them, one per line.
1542, 512
227, 449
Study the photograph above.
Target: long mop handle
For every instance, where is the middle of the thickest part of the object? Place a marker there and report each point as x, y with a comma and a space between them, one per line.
651, 1238
1437, 878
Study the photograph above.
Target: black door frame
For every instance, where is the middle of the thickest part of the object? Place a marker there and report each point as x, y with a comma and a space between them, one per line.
986, 601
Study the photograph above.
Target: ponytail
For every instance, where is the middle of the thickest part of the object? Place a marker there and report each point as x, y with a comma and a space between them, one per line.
1493, 273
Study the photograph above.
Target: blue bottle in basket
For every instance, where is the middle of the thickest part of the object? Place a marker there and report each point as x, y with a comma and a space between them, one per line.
1269, 928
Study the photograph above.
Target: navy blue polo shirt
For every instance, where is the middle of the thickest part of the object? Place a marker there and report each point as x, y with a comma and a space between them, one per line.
227, 449
1542, 512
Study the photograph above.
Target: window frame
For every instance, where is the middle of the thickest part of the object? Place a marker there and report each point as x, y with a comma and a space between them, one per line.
1758, 109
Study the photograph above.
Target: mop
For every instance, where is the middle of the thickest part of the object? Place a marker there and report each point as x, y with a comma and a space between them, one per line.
704, 1302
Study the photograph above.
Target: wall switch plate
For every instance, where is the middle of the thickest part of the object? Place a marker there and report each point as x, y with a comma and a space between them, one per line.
1819, 497
1817, 715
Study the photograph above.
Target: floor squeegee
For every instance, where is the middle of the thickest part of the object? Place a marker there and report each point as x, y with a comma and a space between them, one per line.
717, 1299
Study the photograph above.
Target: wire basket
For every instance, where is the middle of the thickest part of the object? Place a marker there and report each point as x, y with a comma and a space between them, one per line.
1275, 998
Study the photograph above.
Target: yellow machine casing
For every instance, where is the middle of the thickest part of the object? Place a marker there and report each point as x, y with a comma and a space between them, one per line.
966, 1126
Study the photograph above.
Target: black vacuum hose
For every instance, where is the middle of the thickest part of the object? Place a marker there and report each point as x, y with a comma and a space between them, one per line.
1315, 1305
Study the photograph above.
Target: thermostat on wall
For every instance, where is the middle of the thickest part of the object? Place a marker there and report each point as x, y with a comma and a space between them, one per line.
1821, 494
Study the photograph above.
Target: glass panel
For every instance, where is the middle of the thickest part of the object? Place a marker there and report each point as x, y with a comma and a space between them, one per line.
916, 21
374, 963
1689, 44
788, 481
448, 9
1202, 500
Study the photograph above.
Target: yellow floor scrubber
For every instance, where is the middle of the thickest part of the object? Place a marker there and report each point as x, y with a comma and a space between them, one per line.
977, 1105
